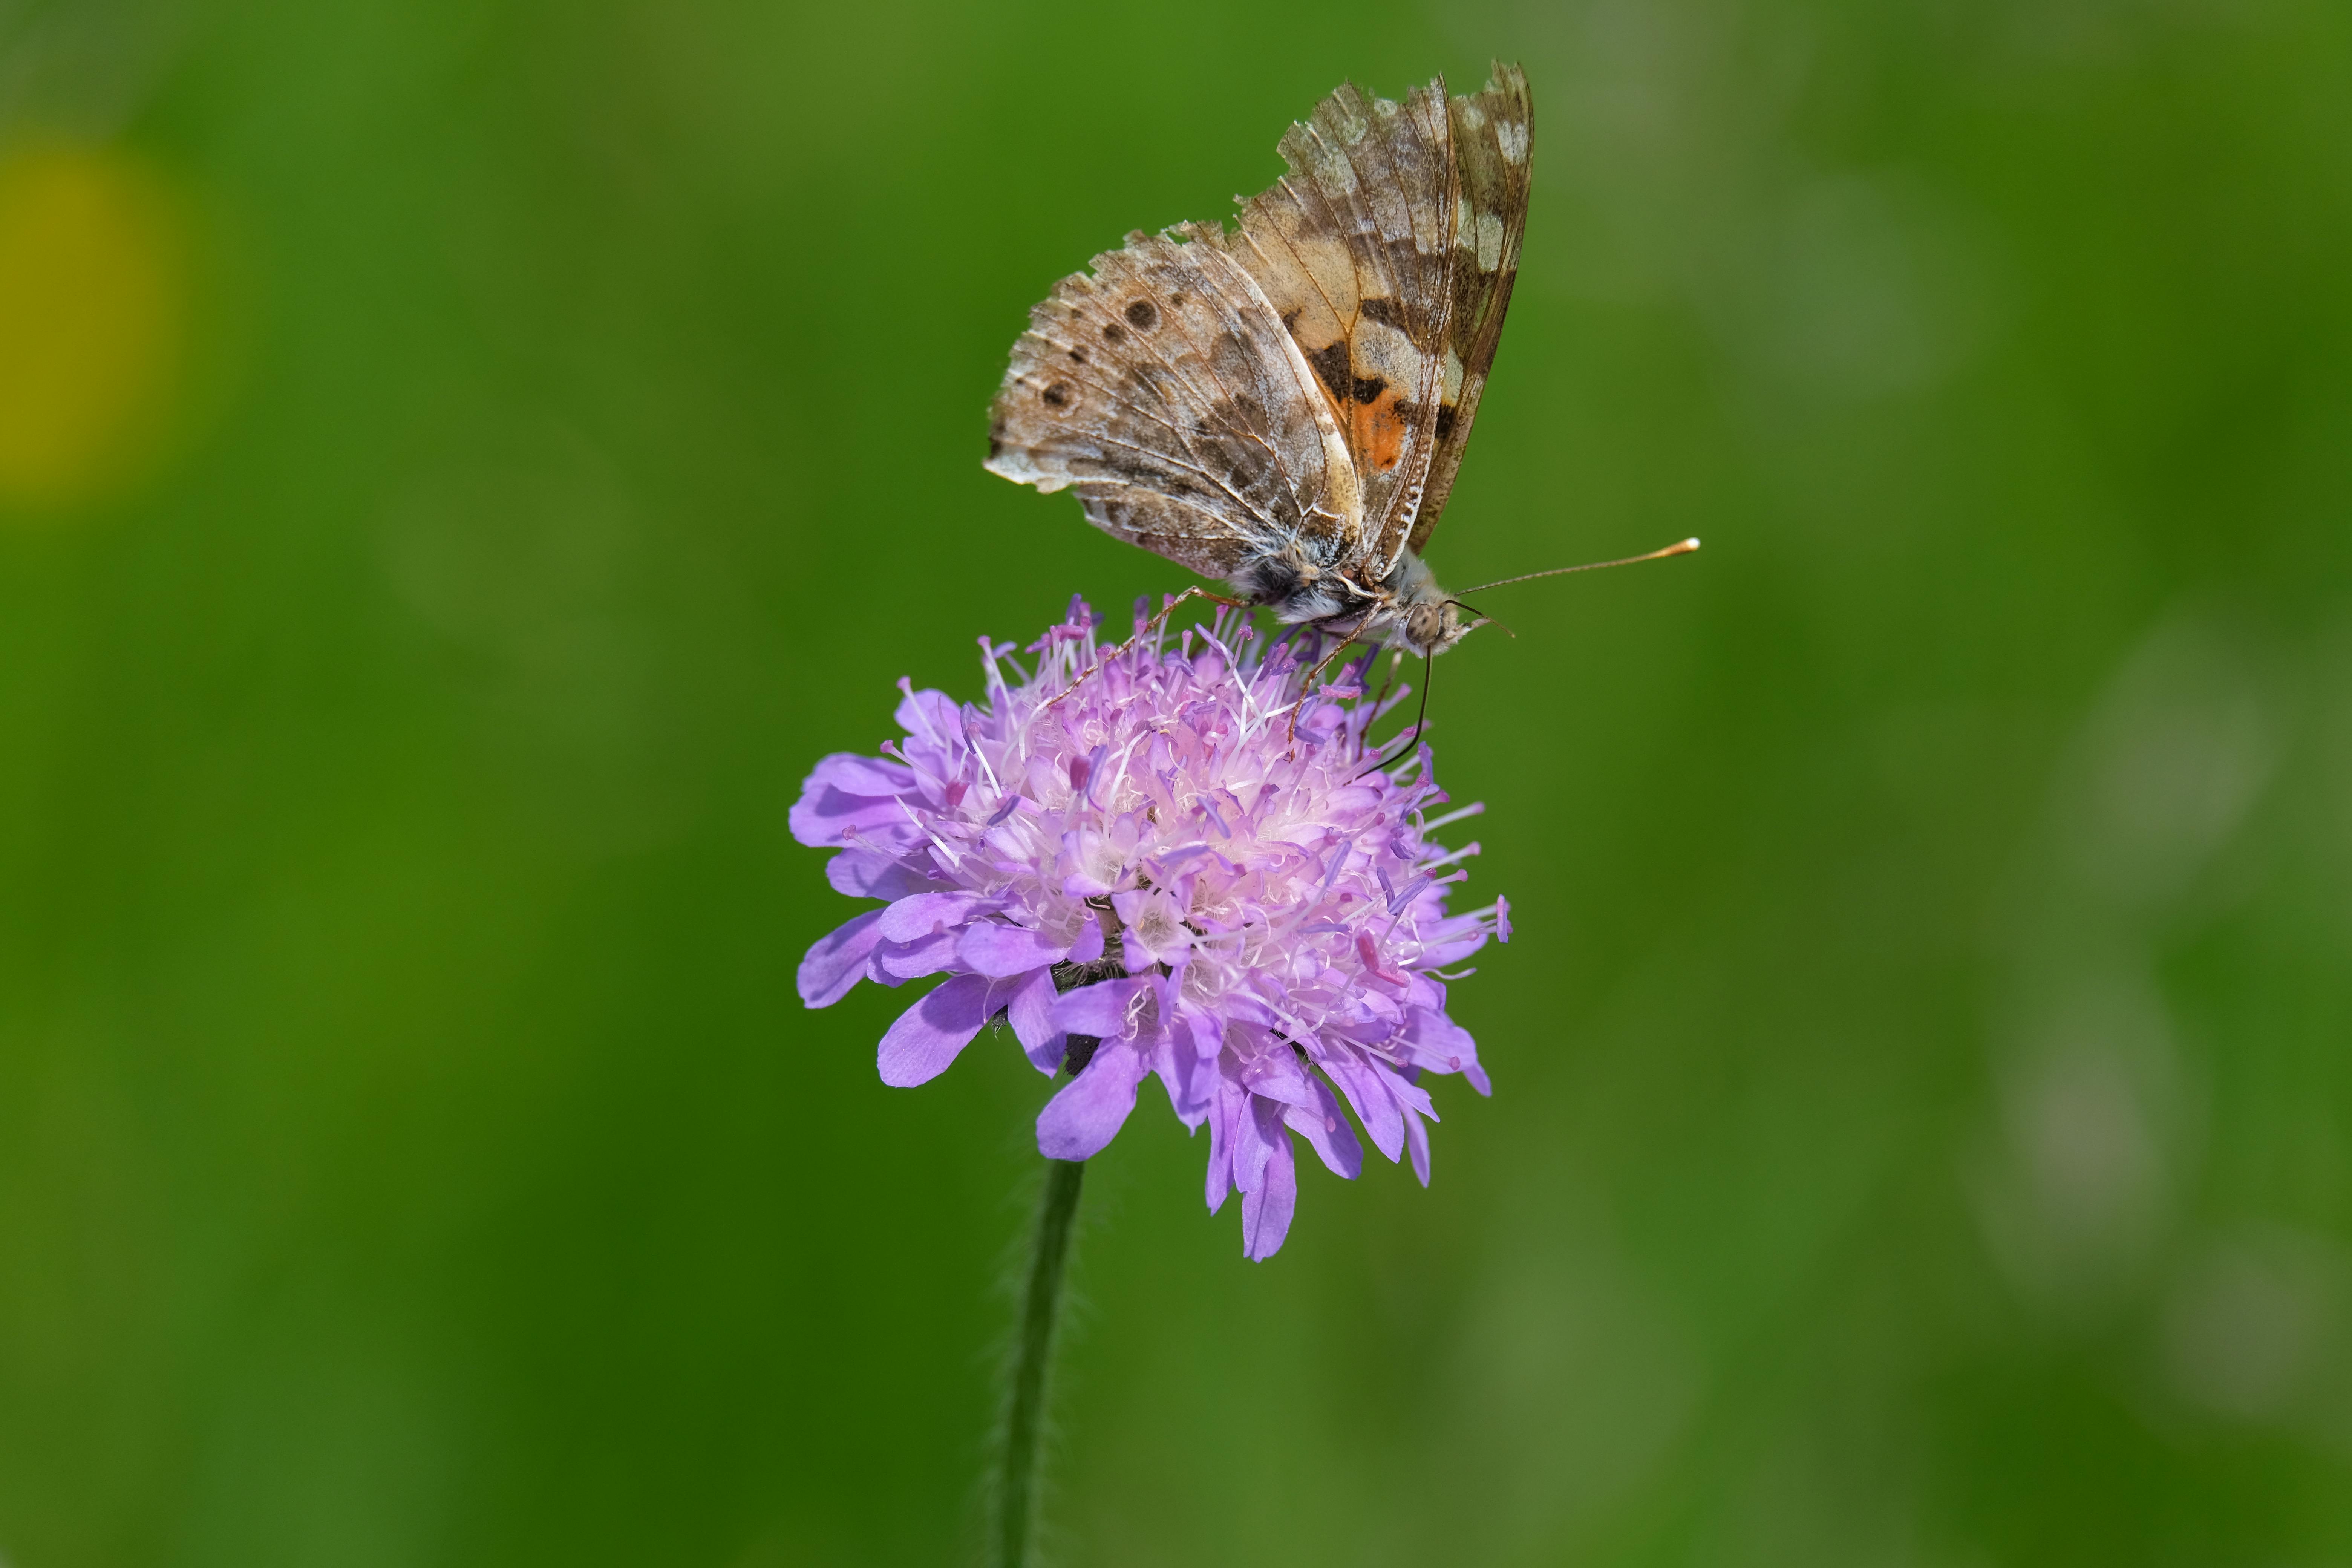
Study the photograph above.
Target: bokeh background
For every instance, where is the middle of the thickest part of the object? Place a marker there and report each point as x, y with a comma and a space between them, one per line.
461, 463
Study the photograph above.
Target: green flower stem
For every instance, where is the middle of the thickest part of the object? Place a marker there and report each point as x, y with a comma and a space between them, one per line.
1041, 1307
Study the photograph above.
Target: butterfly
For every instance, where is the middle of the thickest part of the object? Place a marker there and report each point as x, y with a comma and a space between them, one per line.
1284, 405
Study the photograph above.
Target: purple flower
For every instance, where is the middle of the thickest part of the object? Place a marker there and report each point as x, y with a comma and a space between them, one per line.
1160, 863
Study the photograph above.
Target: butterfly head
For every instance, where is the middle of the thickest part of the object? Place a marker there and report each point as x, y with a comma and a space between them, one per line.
1423, 617
1427, 628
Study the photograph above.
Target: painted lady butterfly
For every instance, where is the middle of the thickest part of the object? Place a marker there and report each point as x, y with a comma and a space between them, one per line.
1284, 406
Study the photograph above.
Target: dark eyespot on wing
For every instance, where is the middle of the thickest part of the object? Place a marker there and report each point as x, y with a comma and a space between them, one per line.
1143, 315
1057, 394
1367, 389
1113, 333
1078, 356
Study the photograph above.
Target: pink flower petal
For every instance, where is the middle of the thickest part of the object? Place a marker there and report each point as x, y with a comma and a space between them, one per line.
919, 915
1100, 1009
863, 874
1032, 1014
847, 793
852, 775
1088, 948
1274, 1073
1267, 1207
1325, 1128
1088, 1114
932, 1033
1224, 1112
839, 960
992, 948
897, 961
1257, 1130
928, 715
1373, 1105
1416, 1137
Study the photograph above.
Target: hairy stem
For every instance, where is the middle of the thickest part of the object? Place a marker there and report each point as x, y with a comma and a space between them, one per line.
1041, 1305
1033, 1355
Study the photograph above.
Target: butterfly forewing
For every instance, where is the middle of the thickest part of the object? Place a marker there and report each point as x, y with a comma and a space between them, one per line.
1491, 146
1165, 390
1353, 246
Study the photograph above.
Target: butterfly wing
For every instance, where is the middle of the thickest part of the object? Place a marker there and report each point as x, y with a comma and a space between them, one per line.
1164, 390
1354, 248
1491, 147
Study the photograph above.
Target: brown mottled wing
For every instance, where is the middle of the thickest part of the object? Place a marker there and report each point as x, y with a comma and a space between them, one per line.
1490, 158
1353, 246
1163, 389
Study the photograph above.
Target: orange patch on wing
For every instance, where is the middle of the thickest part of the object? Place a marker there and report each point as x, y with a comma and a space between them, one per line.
1377, 429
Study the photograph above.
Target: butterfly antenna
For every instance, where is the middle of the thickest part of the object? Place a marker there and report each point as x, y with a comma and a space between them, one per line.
1680, 547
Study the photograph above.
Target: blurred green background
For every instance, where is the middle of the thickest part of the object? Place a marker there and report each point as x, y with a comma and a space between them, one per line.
460, 464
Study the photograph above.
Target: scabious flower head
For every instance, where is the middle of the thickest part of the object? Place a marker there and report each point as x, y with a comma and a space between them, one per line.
1157, 862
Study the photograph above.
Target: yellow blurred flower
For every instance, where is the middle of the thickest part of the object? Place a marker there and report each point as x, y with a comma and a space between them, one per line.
94, 285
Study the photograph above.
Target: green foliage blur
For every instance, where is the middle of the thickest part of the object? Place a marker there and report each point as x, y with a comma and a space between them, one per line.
460, 464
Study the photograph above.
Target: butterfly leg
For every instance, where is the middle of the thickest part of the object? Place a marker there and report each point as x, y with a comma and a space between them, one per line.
1307, 686
1154, 623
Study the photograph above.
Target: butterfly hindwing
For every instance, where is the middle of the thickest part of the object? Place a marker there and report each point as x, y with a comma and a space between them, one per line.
1353, 246
1164, 390
1491, 149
